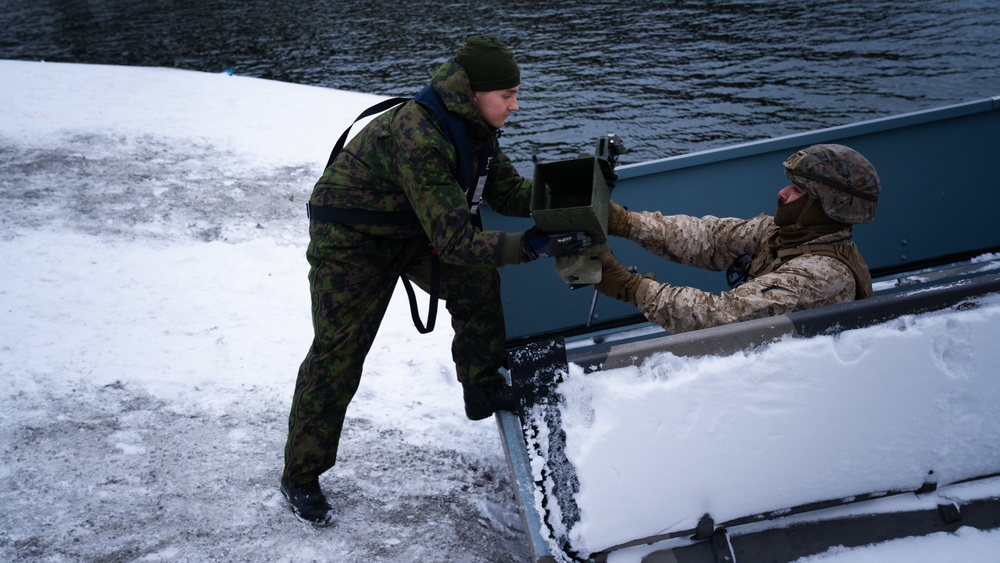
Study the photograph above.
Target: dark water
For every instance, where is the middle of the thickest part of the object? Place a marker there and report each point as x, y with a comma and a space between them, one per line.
669, 77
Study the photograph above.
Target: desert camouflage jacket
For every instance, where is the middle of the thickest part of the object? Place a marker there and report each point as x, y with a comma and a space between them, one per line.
712, 243
402, 160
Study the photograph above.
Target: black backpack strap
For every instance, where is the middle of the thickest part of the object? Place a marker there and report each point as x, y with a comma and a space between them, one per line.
377, 108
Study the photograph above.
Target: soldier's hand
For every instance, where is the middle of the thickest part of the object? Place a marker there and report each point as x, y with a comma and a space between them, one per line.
538, 244
619, 221
617, 282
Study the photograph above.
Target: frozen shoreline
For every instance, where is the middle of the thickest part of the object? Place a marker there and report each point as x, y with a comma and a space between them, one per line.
156, 309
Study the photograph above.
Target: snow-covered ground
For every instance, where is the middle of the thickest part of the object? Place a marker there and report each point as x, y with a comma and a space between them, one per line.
155, 310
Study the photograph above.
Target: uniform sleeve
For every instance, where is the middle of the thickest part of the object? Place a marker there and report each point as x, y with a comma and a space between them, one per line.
708, 242
507, 192
801, 283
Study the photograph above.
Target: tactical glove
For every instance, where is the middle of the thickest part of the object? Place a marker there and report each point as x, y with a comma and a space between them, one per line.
619, 221
537, 244
617, 282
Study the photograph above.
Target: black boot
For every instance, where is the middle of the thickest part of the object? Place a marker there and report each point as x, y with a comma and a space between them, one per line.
481, 402
308, 503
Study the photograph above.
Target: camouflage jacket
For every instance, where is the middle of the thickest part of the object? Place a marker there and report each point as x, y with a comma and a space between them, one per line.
712, 243
402, 160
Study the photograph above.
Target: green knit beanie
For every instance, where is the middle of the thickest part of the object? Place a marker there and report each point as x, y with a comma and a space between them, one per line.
489, 64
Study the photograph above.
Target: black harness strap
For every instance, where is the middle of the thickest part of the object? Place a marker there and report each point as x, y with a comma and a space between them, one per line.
364, 217
457, 132
360, 216
433, 307
325, 214
377, 108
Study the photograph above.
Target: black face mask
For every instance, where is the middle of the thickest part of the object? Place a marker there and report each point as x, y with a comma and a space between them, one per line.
790, 213
801, 221
807, 212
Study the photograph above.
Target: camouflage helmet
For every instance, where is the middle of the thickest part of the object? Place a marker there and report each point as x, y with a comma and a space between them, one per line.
845, 183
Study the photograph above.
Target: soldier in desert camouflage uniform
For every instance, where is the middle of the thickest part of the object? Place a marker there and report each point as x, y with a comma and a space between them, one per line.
801, 258
400, 199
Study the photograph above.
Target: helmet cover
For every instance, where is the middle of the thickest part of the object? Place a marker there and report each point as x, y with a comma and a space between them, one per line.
844, 181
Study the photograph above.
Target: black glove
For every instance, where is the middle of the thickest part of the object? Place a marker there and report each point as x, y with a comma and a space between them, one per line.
538, 244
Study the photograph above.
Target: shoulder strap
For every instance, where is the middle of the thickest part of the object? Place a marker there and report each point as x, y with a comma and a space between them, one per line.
377, 108
847, 253
456, 128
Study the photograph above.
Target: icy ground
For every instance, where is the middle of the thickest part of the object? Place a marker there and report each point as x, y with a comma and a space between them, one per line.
155, 310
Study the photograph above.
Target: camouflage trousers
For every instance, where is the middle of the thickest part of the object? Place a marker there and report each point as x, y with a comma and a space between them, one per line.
352, 277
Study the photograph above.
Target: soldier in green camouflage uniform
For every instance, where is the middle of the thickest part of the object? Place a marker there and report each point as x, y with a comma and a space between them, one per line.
400, 207
801, 258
